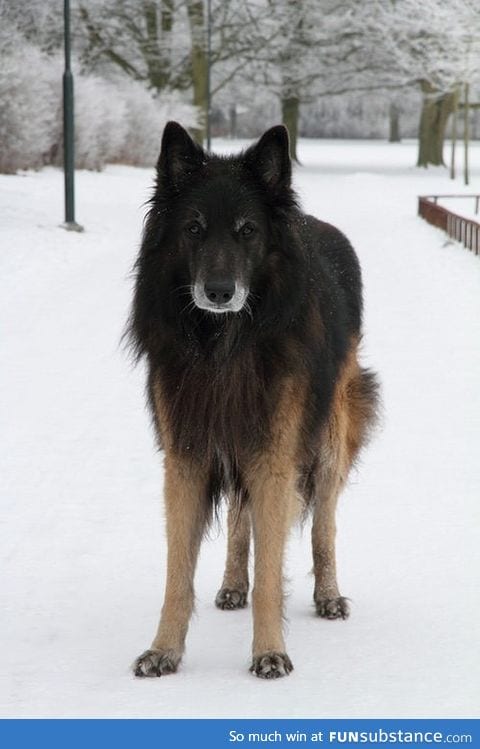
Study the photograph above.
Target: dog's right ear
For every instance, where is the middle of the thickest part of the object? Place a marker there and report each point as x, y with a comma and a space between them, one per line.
179, 157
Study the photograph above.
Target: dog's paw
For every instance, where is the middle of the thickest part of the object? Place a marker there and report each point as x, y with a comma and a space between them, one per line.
156, 663
332, 608
271, 665
228, 599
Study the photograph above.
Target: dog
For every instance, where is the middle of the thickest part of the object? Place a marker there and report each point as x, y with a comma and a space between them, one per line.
248, 313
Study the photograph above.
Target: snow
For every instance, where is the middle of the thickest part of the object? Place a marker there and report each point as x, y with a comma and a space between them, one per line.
82, 544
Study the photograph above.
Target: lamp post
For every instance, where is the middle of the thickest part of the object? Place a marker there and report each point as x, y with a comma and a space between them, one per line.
68, 129
209, 73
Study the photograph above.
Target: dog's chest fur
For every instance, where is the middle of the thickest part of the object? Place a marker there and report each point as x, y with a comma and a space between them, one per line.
219, 407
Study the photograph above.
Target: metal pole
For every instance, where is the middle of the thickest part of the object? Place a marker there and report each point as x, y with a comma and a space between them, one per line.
454, 132
68, 129
466, 135
209, 65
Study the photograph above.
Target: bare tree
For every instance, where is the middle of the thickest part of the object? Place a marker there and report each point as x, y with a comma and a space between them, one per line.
163, 42
432, 45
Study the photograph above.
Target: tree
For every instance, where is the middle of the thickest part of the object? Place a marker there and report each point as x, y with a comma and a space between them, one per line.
291, 56
117, 118
198, 61
137, 38
432, 45
324, 48
394, 122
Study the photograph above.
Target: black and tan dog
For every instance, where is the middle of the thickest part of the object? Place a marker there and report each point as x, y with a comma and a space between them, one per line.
248, 312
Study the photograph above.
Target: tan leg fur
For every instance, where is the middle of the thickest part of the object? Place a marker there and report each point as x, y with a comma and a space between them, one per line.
340, 441
233, 593
187, 513
271, 482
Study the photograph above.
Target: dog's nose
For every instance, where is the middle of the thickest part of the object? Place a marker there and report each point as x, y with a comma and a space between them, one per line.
220, 292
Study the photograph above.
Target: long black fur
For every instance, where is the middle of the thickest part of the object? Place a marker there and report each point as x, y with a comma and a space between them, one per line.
221, 375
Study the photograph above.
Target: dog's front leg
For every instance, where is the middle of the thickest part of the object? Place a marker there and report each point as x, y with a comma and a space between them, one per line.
270, 508
271, 494
271, 483
187, 511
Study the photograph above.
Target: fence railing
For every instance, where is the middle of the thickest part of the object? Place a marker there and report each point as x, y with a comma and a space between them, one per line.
460, 228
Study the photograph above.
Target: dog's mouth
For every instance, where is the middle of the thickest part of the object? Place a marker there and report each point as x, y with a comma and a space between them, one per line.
220, 296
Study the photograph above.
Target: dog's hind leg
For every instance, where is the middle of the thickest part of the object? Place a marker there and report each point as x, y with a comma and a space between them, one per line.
352, 415
333, 467
187, 512
234, 590
328, 601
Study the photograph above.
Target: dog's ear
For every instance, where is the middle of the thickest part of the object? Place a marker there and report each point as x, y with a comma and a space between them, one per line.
270, 160
179, 157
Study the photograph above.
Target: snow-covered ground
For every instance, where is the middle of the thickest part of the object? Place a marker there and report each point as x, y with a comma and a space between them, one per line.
82, 549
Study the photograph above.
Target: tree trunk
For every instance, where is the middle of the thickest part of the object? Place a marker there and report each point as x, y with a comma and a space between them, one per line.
156, 50
233, 121
198, 59
454, 134
436, 109
394, 119
290, 114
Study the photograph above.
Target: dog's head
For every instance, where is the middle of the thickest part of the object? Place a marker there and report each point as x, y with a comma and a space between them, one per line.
216, 214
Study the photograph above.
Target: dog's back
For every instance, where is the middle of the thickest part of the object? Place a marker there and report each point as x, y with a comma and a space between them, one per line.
334, 257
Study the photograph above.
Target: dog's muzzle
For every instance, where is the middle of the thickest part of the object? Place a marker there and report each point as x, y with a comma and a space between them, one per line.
219, 295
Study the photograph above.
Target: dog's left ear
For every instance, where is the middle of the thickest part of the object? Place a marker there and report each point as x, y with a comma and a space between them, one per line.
270, 158
179, 157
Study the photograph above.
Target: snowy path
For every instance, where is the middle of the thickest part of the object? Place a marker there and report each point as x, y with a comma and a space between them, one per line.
82, 547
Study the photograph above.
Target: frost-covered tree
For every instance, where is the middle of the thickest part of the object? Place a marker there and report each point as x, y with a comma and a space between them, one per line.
393, 45
434, 45
164, 42
39, 22
117, 119
137, 60
321, 48
135, 37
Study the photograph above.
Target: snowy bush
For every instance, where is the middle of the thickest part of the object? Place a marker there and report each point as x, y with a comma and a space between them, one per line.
115, 120
144, 120
100, 122
29, 106
120, 121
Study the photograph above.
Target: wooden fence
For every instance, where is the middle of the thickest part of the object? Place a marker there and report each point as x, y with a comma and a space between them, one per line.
460, 228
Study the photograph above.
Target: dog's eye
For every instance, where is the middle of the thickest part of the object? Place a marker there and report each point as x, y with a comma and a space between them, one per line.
194, 228
247, 229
